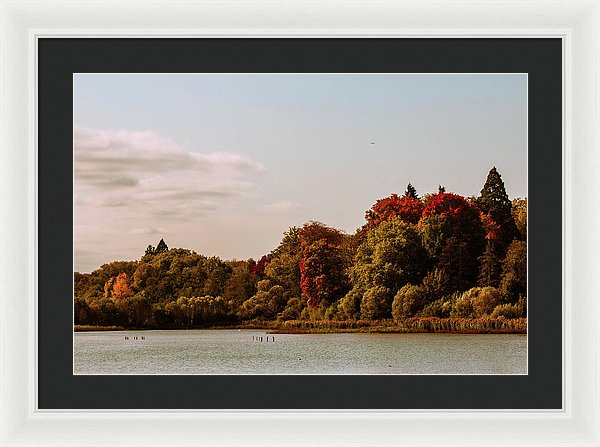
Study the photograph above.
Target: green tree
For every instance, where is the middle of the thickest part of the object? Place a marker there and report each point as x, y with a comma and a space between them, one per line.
411, 192
448, 215
480, 301
459, 262
490, 267
392, 256
437, 284
293, 309
239, 286
284, 270
494, 201
349, 305
161, 247
268, 301
519, 212
409, 300
376, 303
513, 284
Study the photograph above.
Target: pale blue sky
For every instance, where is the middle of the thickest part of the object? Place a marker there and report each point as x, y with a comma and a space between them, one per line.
150, 162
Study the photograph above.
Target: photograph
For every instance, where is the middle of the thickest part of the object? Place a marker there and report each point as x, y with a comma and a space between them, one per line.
300, 223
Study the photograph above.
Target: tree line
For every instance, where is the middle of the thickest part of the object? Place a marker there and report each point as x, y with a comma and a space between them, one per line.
439, 255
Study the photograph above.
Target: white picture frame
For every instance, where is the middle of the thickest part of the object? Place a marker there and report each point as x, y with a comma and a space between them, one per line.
576, 23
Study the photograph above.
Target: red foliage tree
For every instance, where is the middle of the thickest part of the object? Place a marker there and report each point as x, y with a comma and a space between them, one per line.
324, 255
314, 231
463, 215
408, 209
446, 204
453, 230
259, 267
322, 274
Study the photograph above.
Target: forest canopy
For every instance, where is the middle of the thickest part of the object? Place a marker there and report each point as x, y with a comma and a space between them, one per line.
436, 255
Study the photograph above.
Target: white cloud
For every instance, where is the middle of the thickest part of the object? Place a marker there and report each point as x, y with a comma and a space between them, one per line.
284, 206
147, 230
121, 168
131, 184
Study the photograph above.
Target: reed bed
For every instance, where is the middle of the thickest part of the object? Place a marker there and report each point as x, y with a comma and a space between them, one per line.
87, 328
486, 325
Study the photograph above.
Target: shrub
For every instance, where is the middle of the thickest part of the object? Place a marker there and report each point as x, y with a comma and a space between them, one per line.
485, 300
349, 305
439, 308
462, 305
506, 311
408, 301
476, 302
292, 310
436, 284
331, 311
265, 304
375, 304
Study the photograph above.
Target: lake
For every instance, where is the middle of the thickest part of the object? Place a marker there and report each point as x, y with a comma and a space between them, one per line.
232, 351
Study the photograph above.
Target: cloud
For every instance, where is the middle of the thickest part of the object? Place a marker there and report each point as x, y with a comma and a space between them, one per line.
131, 186
124, 168
284, 206
106, 157
147, 230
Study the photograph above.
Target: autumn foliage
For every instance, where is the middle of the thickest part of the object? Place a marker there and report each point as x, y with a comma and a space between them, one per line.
121, 289
415, 259
406, 208
448, 205
323, 263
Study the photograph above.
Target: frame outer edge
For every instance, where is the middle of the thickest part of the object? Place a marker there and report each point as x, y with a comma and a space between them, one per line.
583, 240
17, 227
20, 424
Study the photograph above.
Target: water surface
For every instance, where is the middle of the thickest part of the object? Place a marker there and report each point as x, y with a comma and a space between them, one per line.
241, 352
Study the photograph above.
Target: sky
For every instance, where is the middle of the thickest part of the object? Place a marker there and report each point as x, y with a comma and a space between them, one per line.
223, 164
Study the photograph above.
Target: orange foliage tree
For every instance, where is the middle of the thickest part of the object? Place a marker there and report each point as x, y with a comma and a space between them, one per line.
121, 289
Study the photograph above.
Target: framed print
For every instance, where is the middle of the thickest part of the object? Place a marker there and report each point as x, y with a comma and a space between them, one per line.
221, 135
518, 374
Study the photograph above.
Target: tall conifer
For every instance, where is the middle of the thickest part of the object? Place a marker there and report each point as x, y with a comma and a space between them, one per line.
490, 267
495, 202
411, 192
161, 247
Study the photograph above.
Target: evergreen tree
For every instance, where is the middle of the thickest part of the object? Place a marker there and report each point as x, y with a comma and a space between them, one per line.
495, 202
459, 262
149, 250
161, 247
411, 192
490, 267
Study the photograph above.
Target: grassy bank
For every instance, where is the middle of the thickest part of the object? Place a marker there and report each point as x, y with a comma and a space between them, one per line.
87, 328
486, 325
411, 325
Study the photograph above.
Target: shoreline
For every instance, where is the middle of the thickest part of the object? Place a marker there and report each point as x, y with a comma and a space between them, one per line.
408, 326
